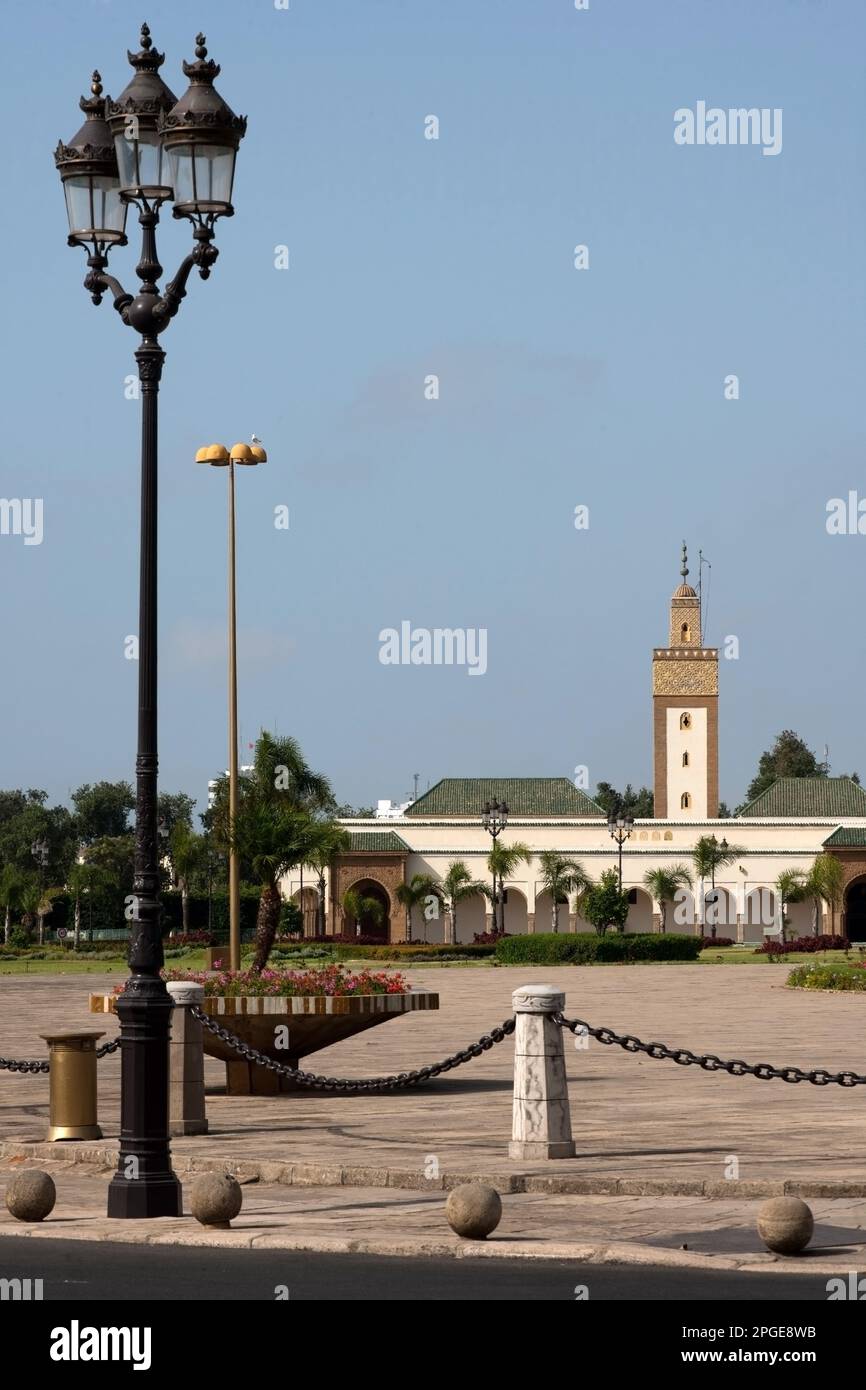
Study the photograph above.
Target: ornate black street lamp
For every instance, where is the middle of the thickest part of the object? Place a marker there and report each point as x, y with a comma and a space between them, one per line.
147, 148
494, 818
620, 828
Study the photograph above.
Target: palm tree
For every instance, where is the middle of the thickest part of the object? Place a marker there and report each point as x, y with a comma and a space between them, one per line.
559, 877
458, 884
411, 894
272, 840
280, 823
710, 854
664, 884
824, 881
188, 851
361, 908
502, 861
11, 884
791, 888
332, 844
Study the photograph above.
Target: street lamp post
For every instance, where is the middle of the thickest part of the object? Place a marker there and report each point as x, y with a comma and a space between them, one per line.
145, 149
218, 456
494, 818
620, 828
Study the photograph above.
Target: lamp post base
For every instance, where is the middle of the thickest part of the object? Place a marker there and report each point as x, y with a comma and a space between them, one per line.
158, 1195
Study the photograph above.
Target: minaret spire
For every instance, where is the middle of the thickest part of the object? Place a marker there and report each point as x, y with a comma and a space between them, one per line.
684, 568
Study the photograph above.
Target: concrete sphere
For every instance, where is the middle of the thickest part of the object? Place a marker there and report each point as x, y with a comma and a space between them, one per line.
216, 1199
31, 1194
473, 1210
785, 1224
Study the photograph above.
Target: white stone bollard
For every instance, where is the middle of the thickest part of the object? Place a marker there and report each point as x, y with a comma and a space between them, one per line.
186, 1111
542, 1120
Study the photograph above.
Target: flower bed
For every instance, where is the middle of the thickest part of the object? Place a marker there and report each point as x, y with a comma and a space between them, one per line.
333, 981
835, 977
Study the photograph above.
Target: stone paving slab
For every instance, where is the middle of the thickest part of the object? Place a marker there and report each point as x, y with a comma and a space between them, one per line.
670, 1231
635, 1120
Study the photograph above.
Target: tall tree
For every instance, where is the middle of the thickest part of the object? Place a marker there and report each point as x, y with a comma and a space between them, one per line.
664, 884
791, 888
501, 862
638, 804
334, 842
412, 894
457, 885
11, 885
605, 904
188, 856
282, 819
788, 757
102, 809
825, 882
559, 877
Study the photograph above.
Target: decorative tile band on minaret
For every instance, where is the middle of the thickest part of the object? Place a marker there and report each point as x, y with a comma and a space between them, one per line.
685, 713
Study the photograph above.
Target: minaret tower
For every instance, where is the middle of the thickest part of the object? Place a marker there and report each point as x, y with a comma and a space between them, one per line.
686, 714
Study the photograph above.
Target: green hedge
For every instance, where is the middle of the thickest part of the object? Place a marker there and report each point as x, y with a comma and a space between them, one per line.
416, 951
583, 948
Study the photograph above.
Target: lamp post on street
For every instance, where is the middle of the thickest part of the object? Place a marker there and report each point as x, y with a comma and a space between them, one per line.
146, 149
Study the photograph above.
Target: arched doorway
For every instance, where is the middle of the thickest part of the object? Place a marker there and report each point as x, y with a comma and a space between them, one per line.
516, 917
640, 911
855, 910
374, 925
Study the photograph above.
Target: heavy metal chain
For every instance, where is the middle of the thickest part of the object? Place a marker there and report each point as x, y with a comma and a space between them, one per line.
10, 1064
336, 1083
764, 1071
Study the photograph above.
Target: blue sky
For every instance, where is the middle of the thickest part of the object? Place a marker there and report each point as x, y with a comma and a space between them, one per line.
558, 387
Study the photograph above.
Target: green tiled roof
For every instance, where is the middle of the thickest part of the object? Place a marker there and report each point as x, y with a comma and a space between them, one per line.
524, 796
847, 836
377, 842
809, 796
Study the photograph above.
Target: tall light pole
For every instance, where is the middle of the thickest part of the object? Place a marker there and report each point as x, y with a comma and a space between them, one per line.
218, 456
494, 818
620, 828
146, 149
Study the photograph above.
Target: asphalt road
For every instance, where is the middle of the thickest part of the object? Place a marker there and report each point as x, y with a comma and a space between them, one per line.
75, 1270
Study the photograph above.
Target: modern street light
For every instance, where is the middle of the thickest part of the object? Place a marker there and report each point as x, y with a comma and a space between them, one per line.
218, 456
494, 818
147, 148
620, 828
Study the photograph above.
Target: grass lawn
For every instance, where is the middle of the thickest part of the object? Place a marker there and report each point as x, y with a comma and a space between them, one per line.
723, 955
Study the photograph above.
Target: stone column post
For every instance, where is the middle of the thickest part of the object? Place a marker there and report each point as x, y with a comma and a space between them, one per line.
186, 1109
541, 1120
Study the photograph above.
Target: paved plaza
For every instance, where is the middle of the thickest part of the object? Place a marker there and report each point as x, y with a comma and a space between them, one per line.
638, 1124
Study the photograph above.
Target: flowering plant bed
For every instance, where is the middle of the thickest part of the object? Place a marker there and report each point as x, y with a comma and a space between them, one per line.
287, 1014
334, 981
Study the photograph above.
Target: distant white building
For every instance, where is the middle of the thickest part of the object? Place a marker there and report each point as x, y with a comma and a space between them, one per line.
391, 810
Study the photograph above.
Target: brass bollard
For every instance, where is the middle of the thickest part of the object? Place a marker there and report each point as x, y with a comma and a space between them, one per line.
72, 1105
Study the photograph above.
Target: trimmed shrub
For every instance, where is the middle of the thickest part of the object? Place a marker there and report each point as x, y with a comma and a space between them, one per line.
708, 942
583, 948
808, 944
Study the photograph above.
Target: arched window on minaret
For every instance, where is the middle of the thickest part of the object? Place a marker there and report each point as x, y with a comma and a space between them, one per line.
685, 721
685, 759
685, 633
685, 801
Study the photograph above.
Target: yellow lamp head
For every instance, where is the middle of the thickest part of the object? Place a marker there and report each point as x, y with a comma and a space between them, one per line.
258, 453
214, 454
242, 453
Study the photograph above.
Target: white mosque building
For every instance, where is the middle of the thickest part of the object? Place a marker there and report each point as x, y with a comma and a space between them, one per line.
787, 827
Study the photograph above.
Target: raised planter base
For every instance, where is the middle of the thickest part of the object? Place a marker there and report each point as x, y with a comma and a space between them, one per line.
288, 1029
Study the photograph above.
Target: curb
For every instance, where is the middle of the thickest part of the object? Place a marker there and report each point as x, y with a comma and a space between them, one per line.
412, 1179
607, 1253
